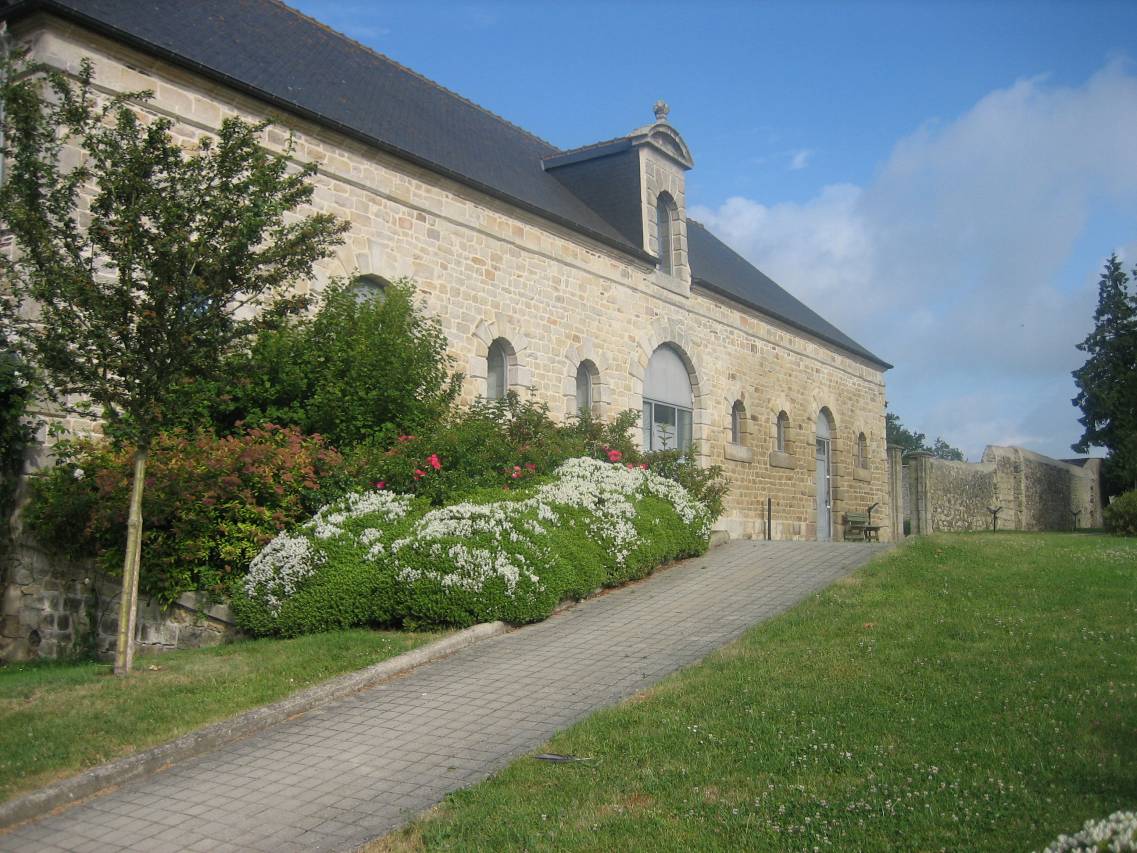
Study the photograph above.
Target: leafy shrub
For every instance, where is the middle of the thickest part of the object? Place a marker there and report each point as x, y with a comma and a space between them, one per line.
355, 369
15, 433
1121, 515
388, 559
210, 505
707, 485
487, 444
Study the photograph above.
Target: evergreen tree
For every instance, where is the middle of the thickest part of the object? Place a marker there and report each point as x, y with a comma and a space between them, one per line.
1107, 382
897, 433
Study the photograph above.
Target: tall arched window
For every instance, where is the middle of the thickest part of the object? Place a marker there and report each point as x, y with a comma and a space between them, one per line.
783, 426
586, 374
497, 370
667, 401
862, 451
663, 206
737, 422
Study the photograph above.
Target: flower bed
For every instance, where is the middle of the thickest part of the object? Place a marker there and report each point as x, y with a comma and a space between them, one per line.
385, 558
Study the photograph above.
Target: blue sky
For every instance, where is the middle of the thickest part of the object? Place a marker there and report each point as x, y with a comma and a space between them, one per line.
942, 180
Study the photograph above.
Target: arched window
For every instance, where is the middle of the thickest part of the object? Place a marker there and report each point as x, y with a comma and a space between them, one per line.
586, 375
862, 451
667, 401
783, 425
366, 288
497, 369
737, 422
663, 206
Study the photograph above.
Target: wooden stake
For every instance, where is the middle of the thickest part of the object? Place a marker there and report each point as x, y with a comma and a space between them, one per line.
128, 601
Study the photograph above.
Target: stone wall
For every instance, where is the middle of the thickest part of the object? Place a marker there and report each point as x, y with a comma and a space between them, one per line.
1033, 492
55, 608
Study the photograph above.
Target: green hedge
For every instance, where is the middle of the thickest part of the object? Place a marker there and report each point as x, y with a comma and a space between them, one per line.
387, 559
1121, 515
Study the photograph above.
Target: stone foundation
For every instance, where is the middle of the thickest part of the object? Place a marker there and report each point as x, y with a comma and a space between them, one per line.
54, 608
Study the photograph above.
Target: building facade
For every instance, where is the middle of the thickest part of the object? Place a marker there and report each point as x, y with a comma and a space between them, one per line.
573, 275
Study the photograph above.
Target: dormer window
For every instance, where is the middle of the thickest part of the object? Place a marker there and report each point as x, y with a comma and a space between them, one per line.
663, 218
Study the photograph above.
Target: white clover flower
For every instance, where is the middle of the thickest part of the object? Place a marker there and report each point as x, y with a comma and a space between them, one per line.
1116, 833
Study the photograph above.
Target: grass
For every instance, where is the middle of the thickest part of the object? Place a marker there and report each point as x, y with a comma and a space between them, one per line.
59, 718
968, 692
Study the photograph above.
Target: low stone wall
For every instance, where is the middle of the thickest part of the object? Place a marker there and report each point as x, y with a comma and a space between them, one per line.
56, 608
1033, 491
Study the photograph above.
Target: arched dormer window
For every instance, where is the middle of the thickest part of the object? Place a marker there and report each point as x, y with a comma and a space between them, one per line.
663, 223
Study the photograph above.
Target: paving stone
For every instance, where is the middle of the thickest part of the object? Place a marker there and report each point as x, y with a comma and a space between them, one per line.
361, 766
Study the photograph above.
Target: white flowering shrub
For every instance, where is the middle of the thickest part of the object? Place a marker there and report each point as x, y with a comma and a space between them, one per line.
1117, 833
378, 557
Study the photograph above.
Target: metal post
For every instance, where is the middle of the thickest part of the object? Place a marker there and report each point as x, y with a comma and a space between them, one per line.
769, 519
994, 510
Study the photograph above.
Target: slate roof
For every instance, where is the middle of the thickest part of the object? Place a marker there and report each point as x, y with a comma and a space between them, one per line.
295, 63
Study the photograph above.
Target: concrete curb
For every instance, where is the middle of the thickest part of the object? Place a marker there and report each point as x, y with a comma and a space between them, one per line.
89, 782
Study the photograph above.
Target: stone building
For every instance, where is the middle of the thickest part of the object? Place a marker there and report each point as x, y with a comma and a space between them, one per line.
572, 272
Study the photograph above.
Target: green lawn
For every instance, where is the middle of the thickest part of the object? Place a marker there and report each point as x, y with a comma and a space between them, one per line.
969, 692
57, 719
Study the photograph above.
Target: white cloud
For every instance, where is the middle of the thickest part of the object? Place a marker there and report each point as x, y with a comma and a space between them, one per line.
800, 158
954, 254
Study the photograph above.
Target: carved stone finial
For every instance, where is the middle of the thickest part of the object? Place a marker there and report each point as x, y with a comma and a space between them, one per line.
661, 110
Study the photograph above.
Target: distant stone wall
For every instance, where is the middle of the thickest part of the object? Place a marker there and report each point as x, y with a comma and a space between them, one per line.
1033, 491
962, 493
55, 608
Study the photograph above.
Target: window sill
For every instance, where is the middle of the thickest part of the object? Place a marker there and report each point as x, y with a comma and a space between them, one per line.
738, 453
863, 474
779, 459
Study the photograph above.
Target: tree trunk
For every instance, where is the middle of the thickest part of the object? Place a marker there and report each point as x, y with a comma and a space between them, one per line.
128, 602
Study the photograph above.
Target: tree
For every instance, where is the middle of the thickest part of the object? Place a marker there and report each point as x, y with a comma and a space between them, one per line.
139, 262
1107, 382
897, 433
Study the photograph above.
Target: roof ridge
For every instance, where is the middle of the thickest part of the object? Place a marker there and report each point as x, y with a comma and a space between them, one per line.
320, 24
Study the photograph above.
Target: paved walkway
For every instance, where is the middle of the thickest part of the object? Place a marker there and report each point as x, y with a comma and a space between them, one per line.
351, 771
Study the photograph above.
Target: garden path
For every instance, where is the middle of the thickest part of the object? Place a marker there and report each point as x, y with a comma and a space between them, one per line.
353, 770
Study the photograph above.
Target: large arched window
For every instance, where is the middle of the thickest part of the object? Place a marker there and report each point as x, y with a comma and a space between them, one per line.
663, 207
667, 401
367, 288
497, 369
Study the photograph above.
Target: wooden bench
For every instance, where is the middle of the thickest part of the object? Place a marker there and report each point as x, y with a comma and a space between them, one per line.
857, 526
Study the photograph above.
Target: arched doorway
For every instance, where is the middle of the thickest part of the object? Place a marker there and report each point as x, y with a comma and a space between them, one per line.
824, 456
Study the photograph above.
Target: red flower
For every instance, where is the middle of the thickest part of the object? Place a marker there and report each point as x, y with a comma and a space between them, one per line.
434, 462
530, 466
381, 485
419, 473
631, 466
643, 465
615, 455
406, 438
516, 474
